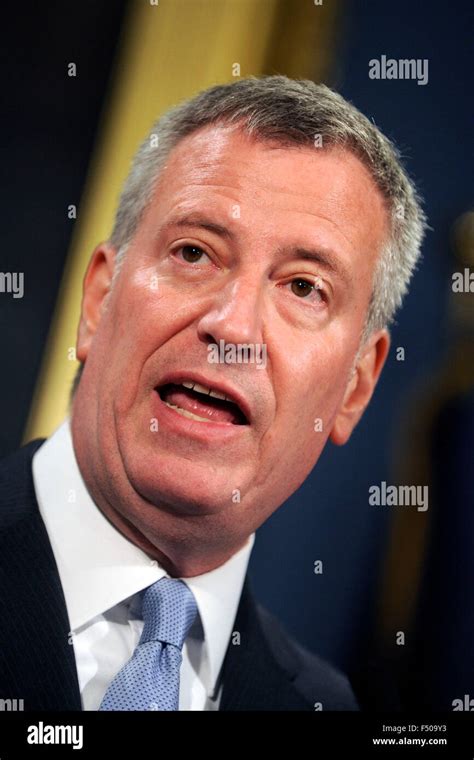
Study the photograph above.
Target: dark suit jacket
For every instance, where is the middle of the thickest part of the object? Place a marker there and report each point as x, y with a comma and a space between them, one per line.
266, 671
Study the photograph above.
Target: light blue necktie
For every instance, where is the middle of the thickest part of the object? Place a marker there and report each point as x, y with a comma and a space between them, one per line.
150, 679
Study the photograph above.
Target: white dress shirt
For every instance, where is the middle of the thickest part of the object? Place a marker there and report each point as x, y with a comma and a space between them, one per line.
101, 573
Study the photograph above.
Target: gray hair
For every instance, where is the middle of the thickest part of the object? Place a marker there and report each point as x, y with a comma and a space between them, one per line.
290, 112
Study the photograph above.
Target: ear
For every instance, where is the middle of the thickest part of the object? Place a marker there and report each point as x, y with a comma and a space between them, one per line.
361, 386
96, 287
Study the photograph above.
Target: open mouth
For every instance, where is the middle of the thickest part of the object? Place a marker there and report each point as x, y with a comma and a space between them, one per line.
200, 403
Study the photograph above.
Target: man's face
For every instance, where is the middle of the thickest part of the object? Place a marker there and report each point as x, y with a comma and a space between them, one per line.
236, 234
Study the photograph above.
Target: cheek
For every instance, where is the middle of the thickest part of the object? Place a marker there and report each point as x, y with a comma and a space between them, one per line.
310, 390
146, 312
302, 427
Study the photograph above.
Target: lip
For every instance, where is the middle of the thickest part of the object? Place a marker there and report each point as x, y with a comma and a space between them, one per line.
208, 433
229, 390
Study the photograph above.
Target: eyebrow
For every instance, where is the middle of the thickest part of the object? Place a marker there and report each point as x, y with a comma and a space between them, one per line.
322, 256
198, 221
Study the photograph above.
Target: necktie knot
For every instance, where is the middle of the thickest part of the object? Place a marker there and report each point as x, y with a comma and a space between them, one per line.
150, 679
168, 609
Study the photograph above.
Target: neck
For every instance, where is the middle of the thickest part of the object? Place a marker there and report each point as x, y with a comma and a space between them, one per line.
179, 559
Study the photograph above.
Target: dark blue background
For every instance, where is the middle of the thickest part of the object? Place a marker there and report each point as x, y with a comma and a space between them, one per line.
48, 129
329, 518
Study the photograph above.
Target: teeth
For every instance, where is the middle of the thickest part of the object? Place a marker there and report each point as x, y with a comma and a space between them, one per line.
216, 394
206, 390
185, 413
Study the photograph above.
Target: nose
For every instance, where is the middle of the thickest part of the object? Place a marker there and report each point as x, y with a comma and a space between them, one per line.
234, 315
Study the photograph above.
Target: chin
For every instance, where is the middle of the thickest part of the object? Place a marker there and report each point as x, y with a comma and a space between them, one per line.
181, 477
182, 487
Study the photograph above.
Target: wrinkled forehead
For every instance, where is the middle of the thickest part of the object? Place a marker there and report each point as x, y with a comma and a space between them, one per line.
267, 186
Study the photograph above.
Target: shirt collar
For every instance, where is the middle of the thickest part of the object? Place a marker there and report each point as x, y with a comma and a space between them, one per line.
99, 567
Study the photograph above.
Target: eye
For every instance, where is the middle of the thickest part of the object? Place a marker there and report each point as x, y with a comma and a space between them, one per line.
192, 254
304, 288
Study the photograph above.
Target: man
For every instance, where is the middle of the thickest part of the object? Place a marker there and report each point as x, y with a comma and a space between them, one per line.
264, 238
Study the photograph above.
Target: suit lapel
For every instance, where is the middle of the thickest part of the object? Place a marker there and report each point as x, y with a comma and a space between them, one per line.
37, 656
253, 678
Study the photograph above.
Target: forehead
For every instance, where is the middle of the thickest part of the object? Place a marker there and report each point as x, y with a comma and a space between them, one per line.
275, 187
